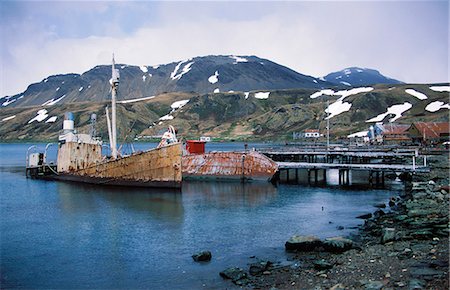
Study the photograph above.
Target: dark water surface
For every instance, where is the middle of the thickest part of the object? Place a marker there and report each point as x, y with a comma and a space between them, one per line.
69, 235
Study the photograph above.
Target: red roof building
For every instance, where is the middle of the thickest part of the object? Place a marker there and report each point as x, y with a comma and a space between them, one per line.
429, 131
396, 133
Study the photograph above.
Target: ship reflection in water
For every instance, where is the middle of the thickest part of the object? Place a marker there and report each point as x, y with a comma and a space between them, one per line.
226, 194
163, 203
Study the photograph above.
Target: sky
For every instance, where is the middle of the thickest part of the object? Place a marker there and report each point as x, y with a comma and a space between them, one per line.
405, 40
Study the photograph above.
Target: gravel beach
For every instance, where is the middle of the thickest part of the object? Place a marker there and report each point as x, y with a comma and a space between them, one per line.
404, 245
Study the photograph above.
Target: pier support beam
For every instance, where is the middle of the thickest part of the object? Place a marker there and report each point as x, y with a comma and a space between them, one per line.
344, 176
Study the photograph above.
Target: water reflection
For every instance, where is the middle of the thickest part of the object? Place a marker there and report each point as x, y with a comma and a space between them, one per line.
228, 194
160, 203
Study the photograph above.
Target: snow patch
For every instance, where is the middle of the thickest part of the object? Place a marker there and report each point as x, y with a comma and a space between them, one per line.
346, 93
416, 94
52, 101
359, 70
343, 93
440, 88
57, 89
41, 116
216, 91
136, 100
347, 71
166, 117
327, 92
262, 95
143, 68
46, 80
51, 119
214, 78
436, 106
358, 134
315, 81
345, 83
246, 94
8, 101
80, 89
143, 78
178, 104
337, 108
185, 69
238, 59
8, 118
397, 110
175, 106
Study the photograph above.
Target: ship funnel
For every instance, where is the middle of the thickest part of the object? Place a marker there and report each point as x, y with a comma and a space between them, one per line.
68, 122
93, 131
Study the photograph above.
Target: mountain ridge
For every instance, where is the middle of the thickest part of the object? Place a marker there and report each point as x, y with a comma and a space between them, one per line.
234, 73
356, 76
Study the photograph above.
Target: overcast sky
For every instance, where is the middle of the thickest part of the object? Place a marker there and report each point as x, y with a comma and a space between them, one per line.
406, 40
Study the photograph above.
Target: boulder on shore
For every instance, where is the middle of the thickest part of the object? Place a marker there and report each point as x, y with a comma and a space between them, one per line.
387, 235
237, 275
302, 243
364, 216
203, 256
337, 244
257, 269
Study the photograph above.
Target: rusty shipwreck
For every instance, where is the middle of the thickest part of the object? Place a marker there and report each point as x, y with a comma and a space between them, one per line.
80, 157
242, 166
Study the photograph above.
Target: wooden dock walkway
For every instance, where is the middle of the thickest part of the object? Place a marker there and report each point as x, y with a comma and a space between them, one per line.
317, 163
353, 166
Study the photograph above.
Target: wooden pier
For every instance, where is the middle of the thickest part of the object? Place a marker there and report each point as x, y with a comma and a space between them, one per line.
318, 162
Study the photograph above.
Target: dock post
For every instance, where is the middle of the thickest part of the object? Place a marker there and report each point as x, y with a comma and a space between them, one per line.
316, 179
287, 175
370, 178
296, 175
309, 176
382, 179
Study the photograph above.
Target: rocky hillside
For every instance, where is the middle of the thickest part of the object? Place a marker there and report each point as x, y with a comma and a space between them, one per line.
201, 75
355, 76
261, 114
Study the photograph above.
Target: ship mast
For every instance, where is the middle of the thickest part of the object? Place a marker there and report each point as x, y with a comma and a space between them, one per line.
114, 85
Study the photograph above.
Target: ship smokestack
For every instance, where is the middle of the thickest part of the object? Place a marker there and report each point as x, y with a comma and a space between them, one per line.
68, 125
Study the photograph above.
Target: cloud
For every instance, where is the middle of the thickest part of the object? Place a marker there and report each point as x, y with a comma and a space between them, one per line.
408, 41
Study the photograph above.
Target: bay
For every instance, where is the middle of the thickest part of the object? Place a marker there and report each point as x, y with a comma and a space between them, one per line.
71, 235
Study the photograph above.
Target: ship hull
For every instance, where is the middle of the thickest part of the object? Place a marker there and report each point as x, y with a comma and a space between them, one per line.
115, 181
159, 167
228, 166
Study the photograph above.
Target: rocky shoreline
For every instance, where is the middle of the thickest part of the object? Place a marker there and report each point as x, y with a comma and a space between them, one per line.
406, 247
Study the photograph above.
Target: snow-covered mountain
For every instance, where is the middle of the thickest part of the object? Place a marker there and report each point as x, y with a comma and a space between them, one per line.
355, 76
199, 75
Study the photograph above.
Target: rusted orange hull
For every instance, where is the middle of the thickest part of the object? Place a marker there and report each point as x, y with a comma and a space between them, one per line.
159, 167
228, 166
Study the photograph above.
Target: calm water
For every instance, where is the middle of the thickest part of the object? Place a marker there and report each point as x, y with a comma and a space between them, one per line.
68, 235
